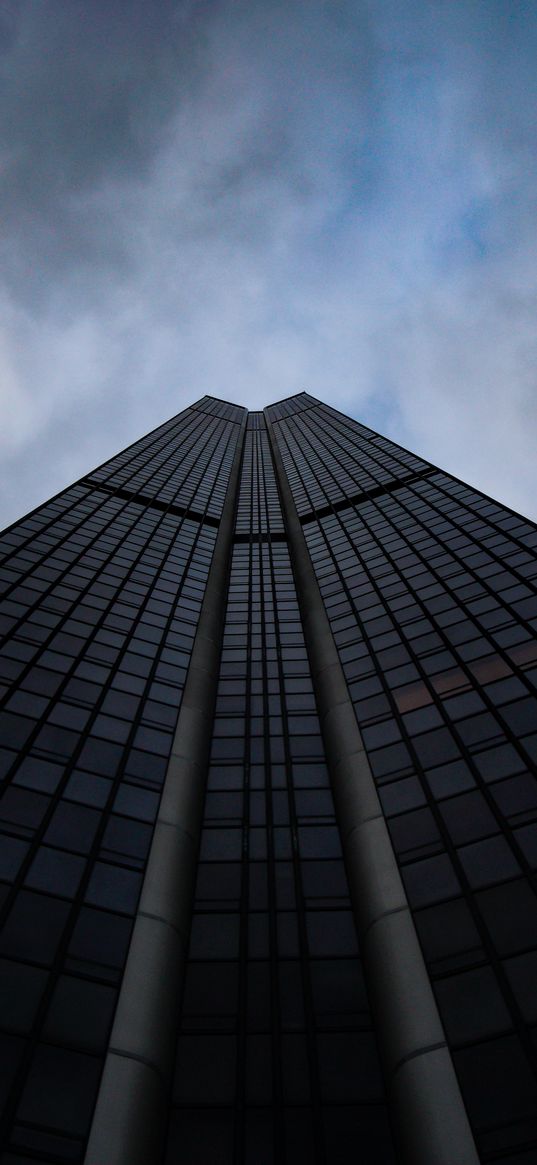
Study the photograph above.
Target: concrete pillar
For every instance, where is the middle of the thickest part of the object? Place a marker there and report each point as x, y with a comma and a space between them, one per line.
129, 1123
428, 1115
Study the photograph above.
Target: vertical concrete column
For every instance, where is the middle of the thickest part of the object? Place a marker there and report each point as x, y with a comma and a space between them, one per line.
129, 1123
428, 1114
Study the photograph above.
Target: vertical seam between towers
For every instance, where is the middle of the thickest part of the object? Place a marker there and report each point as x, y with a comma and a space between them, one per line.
129, 1120
429, 1117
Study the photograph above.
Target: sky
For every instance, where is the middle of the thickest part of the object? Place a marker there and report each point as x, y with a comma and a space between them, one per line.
253, 198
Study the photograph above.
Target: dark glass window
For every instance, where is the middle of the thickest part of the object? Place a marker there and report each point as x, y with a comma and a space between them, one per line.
60, 1090
472, 1006
80, 1014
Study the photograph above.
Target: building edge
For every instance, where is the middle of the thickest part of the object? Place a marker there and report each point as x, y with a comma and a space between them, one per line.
429, 1118
129, 1120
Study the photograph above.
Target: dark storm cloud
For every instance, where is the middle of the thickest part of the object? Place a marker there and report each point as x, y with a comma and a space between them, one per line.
250, 198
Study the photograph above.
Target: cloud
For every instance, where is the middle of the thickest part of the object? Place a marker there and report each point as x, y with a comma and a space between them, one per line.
250, 199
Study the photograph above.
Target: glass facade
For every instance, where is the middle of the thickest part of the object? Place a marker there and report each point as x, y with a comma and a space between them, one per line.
430, 592
102, 593
276, 1057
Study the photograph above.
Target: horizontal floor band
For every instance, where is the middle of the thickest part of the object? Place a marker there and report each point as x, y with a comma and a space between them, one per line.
153, 503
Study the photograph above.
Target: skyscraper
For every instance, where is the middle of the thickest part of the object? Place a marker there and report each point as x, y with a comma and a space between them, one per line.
268, 742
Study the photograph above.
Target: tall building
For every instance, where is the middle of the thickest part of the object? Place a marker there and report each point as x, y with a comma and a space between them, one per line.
268, 741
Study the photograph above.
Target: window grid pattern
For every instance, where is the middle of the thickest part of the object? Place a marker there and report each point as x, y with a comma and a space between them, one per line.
220, 408
430, 591
102, 600
258, 509
186, 463
328, 459
292, 405
276, 1056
